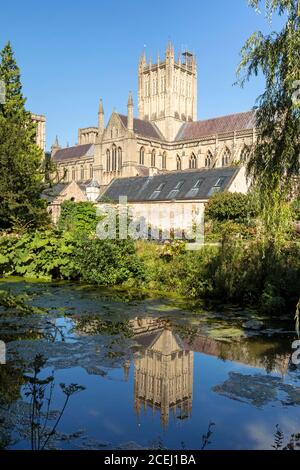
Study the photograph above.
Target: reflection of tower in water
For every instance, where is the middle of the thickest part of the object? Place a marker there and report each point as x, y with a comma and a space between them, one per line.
163, 375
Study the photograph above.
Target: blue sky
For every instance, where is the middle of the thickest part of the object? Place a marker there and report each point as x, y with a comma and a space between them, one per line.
71, 53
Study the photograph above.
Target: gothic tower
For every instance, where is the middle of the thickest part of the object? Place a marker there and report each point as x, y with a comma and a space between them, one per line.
167, 94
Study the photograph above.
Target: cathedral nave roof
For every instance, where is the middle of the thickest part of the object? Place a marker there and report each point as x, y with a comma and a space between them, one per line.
218, 125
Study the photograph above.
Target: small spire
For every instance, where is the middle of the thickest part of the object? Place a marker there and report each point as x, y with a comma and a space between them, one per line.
101, 110
130, 112
170, 48
180, 56
55, 146
126, 368
143, 59
130, 99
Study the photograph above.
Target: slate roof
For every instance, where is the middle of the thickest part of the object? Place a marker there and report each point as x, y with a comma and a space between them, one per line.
50, 194
191, 184
143, 128
218, 125
91, 183
72, 153
147, 339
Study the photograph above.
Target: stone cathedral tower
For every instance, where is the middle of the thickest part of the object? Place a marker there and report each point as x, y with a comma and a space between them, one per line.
167, 91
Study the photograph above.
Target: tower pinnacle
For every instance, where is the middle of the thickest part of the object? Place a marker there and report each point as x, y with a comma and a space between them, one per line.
101, 118
130, 112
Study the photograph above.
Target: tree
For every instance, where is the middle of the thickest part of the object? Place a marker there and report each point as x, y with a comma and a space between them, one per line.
20, 159
274, 164
230, 206
277, 56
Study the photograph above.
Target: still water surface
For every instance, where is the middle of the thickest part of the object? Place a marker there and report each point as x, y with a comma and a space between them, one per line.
100, 369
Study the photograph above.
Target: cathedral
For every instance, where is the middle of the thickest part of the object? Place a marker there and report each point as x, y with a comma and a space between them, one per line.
166, 136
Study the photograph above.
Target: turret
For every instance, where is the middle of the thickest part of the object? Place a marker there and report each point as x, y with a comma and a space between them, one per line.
130, 112
55, 146
92, 190
143, 60
101, 118
170, 51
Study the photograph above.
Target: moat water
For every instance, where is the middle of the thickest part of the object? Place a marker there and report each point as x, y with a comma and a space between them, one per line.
94, 368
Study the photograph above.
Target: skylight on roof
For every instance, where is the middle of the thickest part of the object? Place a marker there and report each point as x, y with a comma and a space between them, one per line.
220, 181
193, 192
157, 191
198, 183
179, 184
214, 190
217, 186
154, 195
174, 192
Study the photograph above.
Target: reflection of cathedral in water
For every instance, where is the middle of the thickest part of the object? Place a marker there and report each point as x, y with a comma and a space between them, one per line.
163, 371
163, 366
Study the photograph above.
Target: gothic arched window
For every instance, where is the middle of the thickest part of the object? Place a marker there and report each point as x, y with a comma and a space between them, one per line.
82, 173
73, 174
65, 174
142, 156
114, 158
226, 157
193, 161
208, 159
245, 153
178, 163
164, 161
119, 158
107, 160
153, 158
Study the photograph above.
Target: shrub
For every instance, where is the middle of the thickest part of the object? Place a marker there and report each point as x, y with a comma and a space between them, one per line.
246, 273
171, 249
55, 255
78, 217
226, 206
109, 262
257, 274
41, 255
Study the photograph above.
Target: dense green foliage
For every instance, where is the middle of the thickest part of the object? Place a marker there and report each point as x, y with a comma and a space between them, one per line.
109, 262
20, 158
226, 206
274, 163
296, 209
71, 252
78, 217
276, 157
41, 255
237, 272
234, 272
230, 216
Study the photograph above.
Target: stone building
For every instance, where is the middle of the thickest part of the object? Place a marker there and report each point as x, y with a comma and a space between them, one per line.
40, 121
60, 192
171, 202
166, 136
